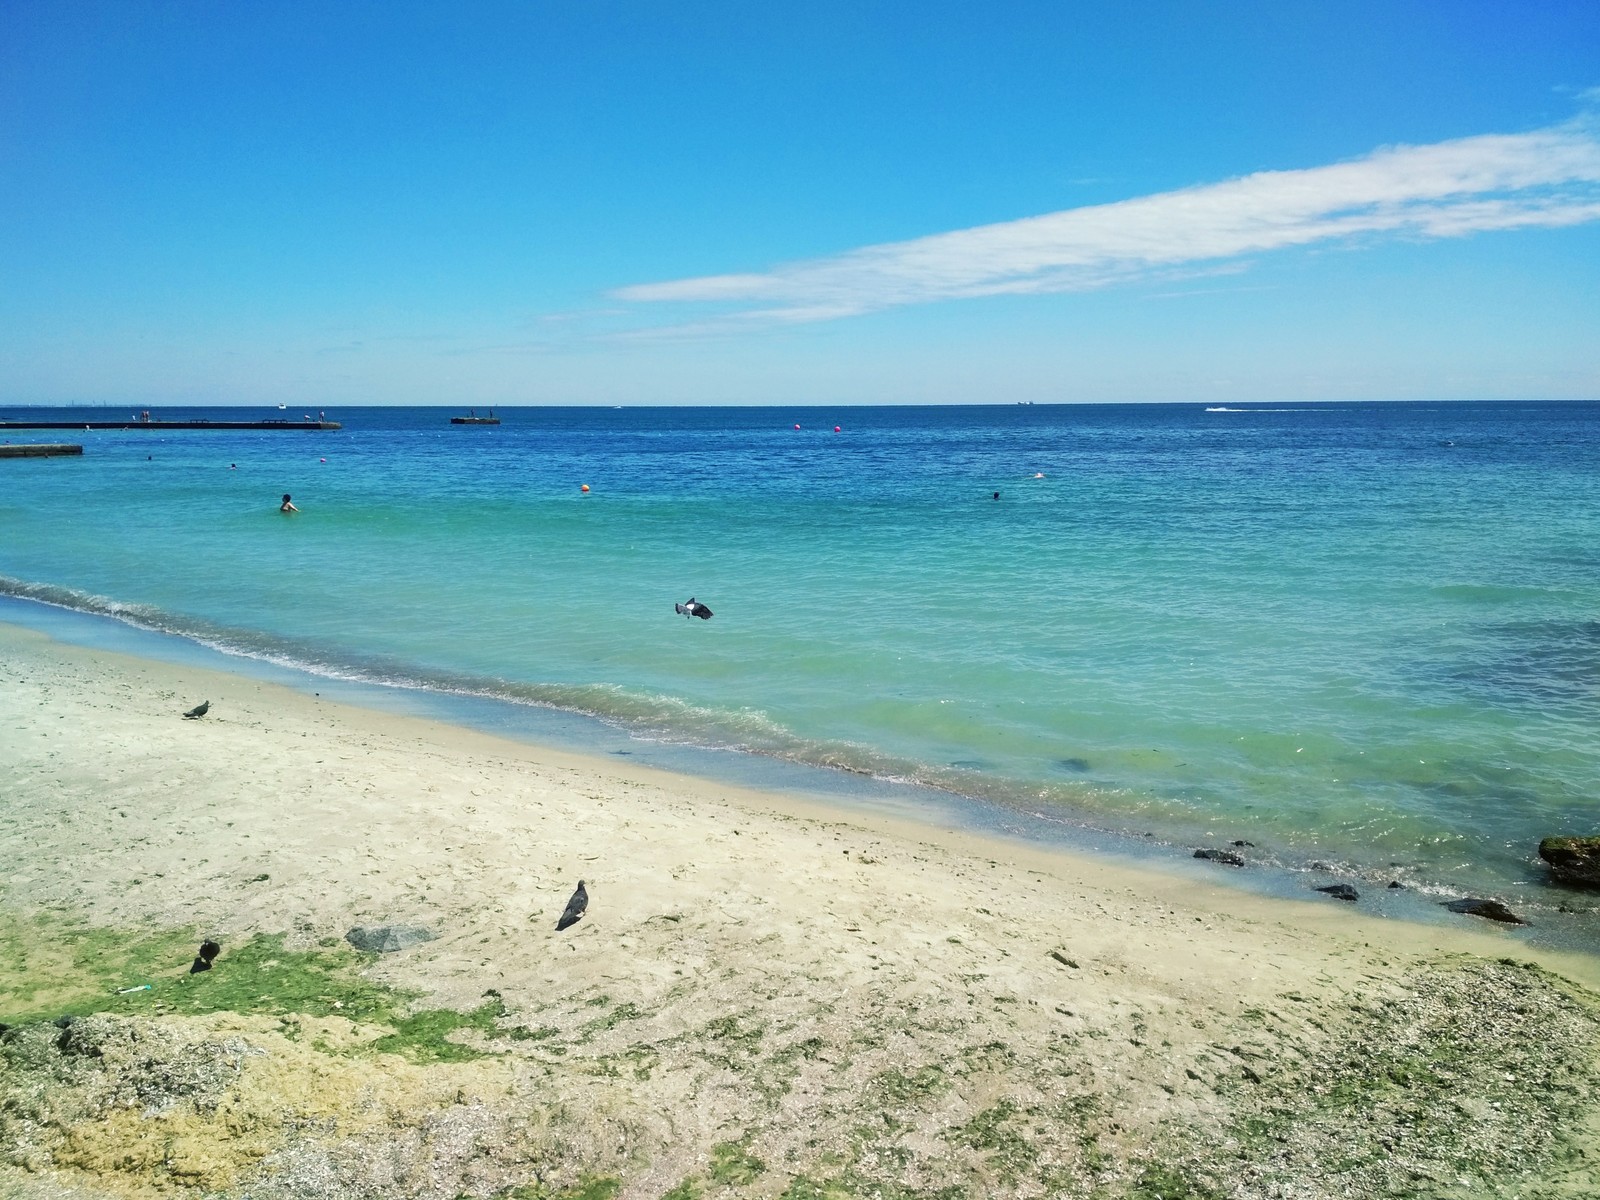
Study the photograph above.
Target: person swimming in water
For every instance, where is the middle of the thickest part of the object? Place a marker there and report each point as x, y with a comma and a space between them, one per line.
287, 505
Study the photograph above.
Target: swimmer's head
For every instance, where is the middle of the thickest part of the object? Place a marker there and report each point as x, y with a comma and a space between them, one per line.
286, 497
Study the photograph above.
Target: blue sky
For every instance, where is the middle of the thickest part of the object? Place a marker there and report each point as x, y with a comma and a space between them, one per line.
626, 203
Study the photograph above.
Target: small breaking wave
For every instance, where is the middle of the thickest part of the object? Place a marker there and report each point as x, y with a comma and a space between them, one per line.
668, 720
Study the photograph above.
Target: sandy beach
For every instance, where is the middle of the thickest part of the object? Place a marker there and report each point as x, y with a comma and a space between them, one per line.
765, 997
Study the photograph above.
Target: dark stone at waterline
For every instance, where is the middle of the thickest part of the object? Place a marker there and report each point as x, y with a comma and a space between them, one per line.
1395, 883
1574, 860
1242, 842
386, 939
1341, 891
1221, 856
1492, 909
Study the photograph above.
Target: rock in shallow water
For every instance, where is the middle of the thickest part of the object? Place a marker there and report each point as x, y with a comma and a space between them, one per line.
386, 939
1341, 891
1221, 856
1492, 909
1574, 860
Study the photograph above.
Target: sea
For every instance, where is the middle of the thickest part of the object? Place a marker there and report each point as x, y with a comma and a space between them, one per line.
1362, 638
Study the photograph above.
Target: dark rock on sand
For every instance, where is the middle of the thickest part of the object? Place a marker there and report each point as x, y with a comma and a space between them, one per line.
1221, 856
1574, 860
1341, 891
386, 939
1492, 909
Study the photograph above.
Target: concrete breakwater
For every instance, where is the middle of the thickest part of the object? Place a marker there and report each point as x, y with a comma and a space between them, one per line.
39, 450
140, 424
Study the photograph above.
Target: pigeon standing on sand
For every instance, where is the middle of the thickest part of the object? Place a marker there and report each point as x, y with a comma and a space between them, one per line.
574, 909
693, 609
197, 711
202, 961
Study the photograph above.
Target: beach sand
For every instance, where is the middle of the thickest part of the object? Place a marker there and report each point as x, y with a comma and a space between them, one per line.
766, 996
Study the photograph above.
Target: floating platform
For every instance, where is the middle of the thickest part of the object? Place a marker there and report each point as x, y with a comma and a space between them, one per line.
474, 420
133, 424
39, 450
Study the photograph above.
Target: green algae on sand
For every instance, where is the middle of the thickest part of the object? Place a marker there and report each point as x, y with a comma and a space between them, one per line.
50, 968
1460, 1073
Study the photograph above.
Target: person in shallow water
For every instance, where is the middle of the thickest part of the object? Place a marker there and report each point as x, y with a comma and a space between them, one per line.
287, 505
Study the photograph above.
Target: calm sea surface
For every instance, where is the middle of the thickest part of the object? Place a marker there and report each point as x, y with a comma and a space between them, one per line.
1362, 634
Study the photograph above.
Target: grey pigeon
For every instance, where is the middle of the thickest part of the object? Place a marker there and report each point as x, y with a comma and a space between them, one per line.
574, 909
197, 711
693, 609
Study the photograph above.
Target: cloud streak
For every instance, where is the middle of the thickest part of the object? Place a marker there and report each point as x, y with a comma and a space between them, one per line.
1546, 178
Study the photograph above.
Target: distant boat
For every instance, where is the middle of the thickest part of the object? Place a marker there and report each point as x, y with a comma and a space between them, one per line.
281, 407
475, 419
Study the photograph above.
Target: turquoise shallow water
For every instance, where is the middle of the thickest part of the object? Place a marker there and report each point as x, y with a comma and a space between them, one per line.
1360, 634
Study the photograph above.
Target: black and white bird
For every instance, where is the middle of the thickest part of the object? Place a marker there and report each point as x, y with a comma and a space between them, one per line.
693, 609
198, 711
574, 910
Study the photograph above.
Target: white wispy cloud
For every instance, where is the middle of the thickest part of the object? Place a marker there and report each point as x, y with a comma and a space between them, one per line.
1549, 177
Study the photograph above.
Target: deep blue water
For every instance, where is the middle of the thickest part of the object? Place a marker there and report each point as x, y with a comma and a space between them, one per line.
1362, 634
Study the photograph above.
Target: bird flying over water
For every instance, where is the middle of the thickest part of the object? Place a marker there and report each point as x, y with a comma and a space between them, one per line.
693, 609
574, 909
197, 711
